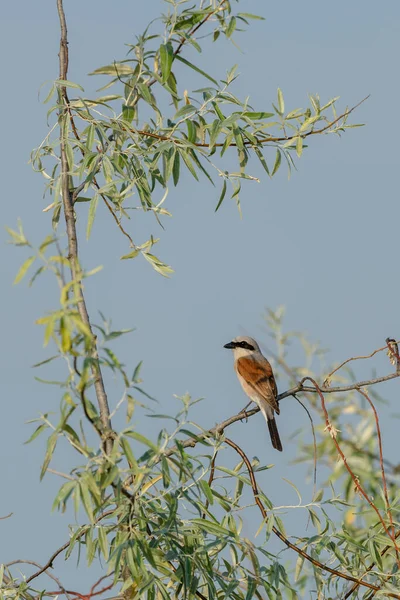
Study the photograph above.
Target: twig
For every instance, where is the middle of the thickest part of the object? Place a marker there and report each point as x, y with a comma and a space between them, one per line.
328, 377
35, 564
61, 549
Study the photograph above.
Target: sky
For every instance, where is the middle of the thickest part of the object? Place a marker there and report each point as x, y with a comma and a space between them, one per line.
322, 243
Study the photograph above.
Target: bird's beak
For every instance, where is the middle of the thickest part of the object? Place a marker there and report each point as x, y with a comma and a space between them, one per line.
230, 346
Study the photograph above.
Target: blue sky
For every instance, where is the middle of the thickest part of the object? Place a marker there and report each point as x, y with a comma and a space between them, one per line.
322, 243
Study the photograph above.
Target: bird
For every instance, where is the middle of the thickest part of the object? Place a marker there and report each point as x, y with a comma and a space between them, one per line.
257, 380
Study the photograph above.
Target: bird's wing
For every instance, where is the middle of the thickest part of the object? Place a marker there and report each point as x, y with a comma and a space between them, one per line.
259, 376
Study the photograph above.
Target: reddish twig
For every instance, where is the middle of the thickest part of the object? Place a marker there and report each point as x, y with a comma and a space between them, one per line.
328, 377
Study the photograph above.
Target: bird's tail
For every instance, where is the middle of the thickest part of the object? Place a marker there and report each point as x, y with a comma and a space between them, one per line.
273, 432
268, 413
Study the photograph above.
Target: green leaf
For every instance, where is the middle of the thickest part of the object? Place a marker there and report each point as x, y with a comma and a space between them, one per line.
37, 432
145, 93
86, 501
130, 255
251, 16
231, 27
103, 542
212, 527
281, 103
278, 160
207, 491
192, 66
257, 116
142, 439
167, 57
261, 158
222, 196
114, 69
176, 168
184, 111
66, 83
24, 268
92, 213
51, 444
128, 113
299, 146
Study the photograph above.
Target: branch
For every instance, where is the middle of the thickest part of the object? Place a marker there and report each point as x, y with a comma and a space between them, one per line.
289, 544
61, 549
300, 387
269, 139
73, 256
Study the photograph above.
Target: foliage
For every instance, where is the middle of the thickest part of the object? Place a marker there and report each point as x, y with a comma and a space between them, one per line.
167, 519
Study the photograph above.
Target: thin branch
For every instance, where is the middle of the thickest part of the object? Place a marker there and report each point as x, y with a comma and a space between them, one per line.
72, 236
61, 549
300, 387
35, 564
328, 377
263, 140
289, 544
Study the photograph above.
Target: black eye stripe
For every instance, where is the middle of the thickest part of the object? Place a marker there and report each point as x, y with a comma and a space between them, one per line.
245, 345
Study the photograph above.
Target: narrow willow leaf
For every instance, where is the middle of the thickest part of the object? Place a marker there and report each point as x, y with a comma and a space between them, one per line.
145, 93
127, 450
66, 83
64, 492
214, 132
37, 432
142, 439
128, 113
188, 162
192, 66
257, 116
130, 255
281, 103
251, 16
114, 69
51, 444
212, 527
207, 491
90, 137
86, 501
278, 160
176, 168
103, 542
184, 111
92, 213
24, 268
222, 196
299, 146
231, 27
261, 158
167, 57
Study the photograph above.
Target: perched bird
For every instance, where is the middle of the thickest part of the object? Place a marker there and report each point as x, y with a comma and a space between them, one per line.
257, 380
